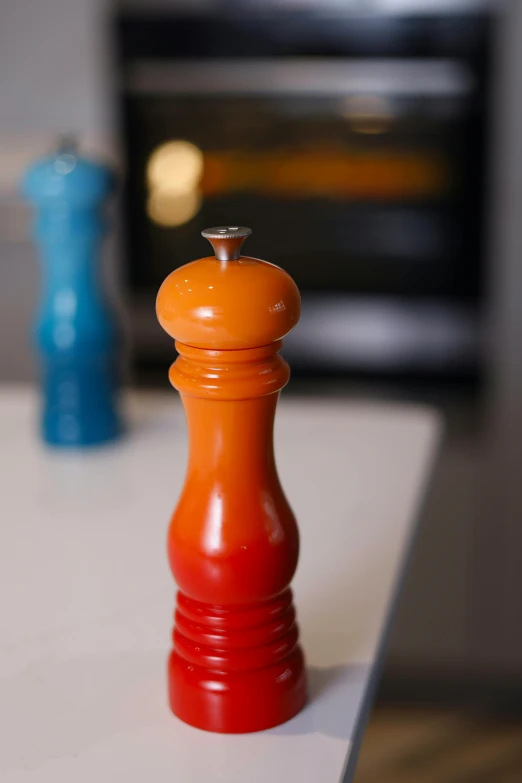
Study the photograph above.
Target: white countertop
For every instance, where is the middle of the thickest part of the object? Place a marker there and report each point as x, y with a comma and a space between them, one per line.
87, 596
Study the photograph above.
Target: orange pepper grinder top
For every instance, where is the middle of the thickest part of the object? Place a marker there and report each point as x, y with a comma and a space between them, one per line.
236, 664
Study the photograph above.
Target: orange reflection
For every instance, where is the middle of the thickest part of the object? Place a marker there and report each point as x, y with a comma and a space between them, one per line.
320, 173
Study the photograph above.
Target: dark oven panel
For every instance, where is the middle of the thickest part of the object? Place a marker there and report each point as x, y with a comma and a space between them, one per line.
353, 147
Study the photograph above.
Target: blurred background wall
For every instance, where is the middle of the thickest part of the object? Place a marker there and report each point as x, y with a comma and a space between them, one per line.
55, 57
105, 72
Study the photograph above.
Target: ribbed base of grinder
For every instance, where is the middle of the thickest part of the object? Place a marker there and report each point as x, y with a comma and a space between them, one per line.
233, 698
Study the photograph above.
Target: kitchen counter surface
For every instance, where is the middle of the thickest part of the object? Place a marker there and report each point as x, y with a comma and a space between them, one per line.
87, 596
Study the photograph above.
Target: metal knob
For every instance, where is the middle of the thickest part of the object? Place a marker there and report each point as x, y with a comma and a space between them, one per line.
67, 143
227, 241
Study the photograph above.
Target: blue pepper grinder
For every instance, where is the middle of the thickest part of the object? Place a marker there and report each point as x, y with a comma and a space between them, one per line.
75, 332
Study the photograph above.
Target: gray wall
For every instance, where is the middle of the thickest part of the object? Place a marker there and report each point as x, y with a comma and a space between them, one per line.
54, 65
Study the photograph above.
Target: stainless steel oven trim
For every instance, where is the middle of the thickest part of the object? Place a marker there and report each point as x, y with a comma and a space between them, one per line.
384, 332
305, 76
384, 7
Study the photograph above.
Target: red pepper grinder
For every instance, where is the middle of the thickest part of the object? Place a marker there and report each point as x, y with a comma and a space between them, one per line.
236, 665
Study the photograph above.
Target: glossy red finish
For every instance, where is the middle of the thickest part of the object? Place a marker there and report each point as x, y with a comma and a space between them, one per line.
233, 542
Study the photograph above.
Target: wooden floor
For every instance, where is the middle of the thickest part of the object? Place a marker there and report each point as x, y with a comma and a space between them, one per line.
411, 745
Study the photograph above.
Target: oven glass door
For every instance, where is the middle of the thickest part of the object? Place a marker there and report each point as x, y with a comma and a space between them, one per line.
355, 175
360, 177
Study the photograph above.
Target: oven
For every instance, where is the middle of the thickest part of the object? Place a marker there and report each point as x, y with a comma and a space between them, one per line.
354, 146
